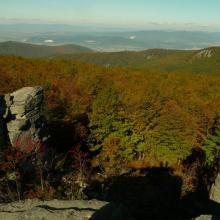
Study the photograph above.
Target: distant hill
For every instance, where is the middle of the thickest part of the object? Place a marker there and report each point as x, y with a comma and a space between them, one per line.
30, 50
181, 61
102, 38
163, 60
132, 40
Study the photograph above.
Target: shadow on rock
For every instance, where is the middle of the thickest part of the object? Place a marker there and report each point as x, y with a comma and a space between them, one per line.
154, 195
113, 211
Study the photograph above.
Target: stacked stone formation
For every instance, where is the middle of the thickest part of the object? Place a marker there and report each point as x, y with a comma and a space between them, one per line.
25, 127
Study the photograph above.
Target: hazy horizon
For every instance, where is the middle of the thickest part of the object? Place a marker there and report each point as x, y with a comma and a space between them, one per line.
146, 14
112, 25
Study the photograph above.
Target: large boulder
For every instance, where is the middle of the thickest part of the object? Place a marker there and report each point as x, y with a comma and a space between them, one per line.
25, 126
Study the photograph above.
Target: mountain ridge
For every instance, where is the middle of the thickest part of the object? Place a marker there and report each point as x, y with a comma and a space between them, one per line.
34, 50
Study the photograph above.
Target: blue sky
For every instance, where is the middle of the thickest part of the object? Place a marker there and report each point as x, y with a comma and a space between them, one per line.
114, 12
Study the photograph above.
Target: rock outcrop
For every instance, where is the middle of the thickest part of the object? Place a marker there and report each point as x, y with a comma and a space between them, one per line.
215, 198
61, 210
204, 217
214, 203
51, 210
21, 115
215, 190
206, 53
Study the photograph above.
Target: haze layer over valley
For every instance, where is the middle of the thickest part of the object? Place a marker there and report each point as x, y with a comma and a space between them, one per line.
108, 39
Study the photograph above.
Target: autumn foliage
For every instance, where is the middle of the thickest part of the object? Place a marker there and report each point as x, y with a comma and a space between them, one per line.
125, 115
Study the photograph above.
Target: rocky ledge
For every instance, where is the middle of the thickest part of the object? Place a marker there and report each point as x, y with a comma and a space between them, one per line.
50, 210
65, 210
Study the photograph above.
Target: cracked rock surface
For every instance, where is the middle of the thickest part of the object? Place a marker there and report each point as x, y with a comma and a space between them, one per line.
64, 210
50, 210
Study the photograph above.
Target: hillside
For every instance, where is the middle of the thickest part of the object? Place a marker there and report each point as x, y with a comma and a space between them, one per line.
182, 61
142, 114
163, 60
30, 50
140, 133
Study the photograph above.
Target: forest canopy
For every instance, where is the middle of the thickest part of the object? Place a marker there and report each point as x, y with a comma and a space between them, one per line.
143, 115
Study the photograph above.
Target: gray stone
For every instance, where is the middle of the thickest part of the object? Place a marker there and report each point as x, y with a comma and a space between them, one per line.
215, 202
206, 53
19, 137
20, 118
51, 210
25, 126
19, 124
204, 217
215, 190
23, 108
215, 196
17, 109
26, 94
8, 100
63, 210
32, 115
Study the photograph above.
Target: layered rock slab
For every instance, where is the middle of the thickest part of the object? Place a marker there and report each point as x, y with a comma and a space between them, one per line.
22, 116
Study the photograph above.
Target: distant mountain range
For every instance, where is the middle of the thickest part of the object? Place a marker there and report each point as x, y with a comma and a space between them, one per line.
137, 40
30, 50
164, 60
104, 39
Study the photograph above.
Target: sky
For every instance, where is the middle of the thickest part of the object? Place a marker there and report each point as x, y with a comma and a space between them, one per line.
142, 13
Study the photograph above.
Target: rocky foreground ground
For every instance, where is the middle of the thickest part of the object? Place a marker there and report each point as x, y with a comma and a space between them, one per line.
69, 210
50, 210
62, 210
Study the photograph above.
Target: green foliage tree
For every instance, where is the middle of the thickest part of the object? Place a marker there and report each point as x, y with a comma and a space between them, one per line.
212, 146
